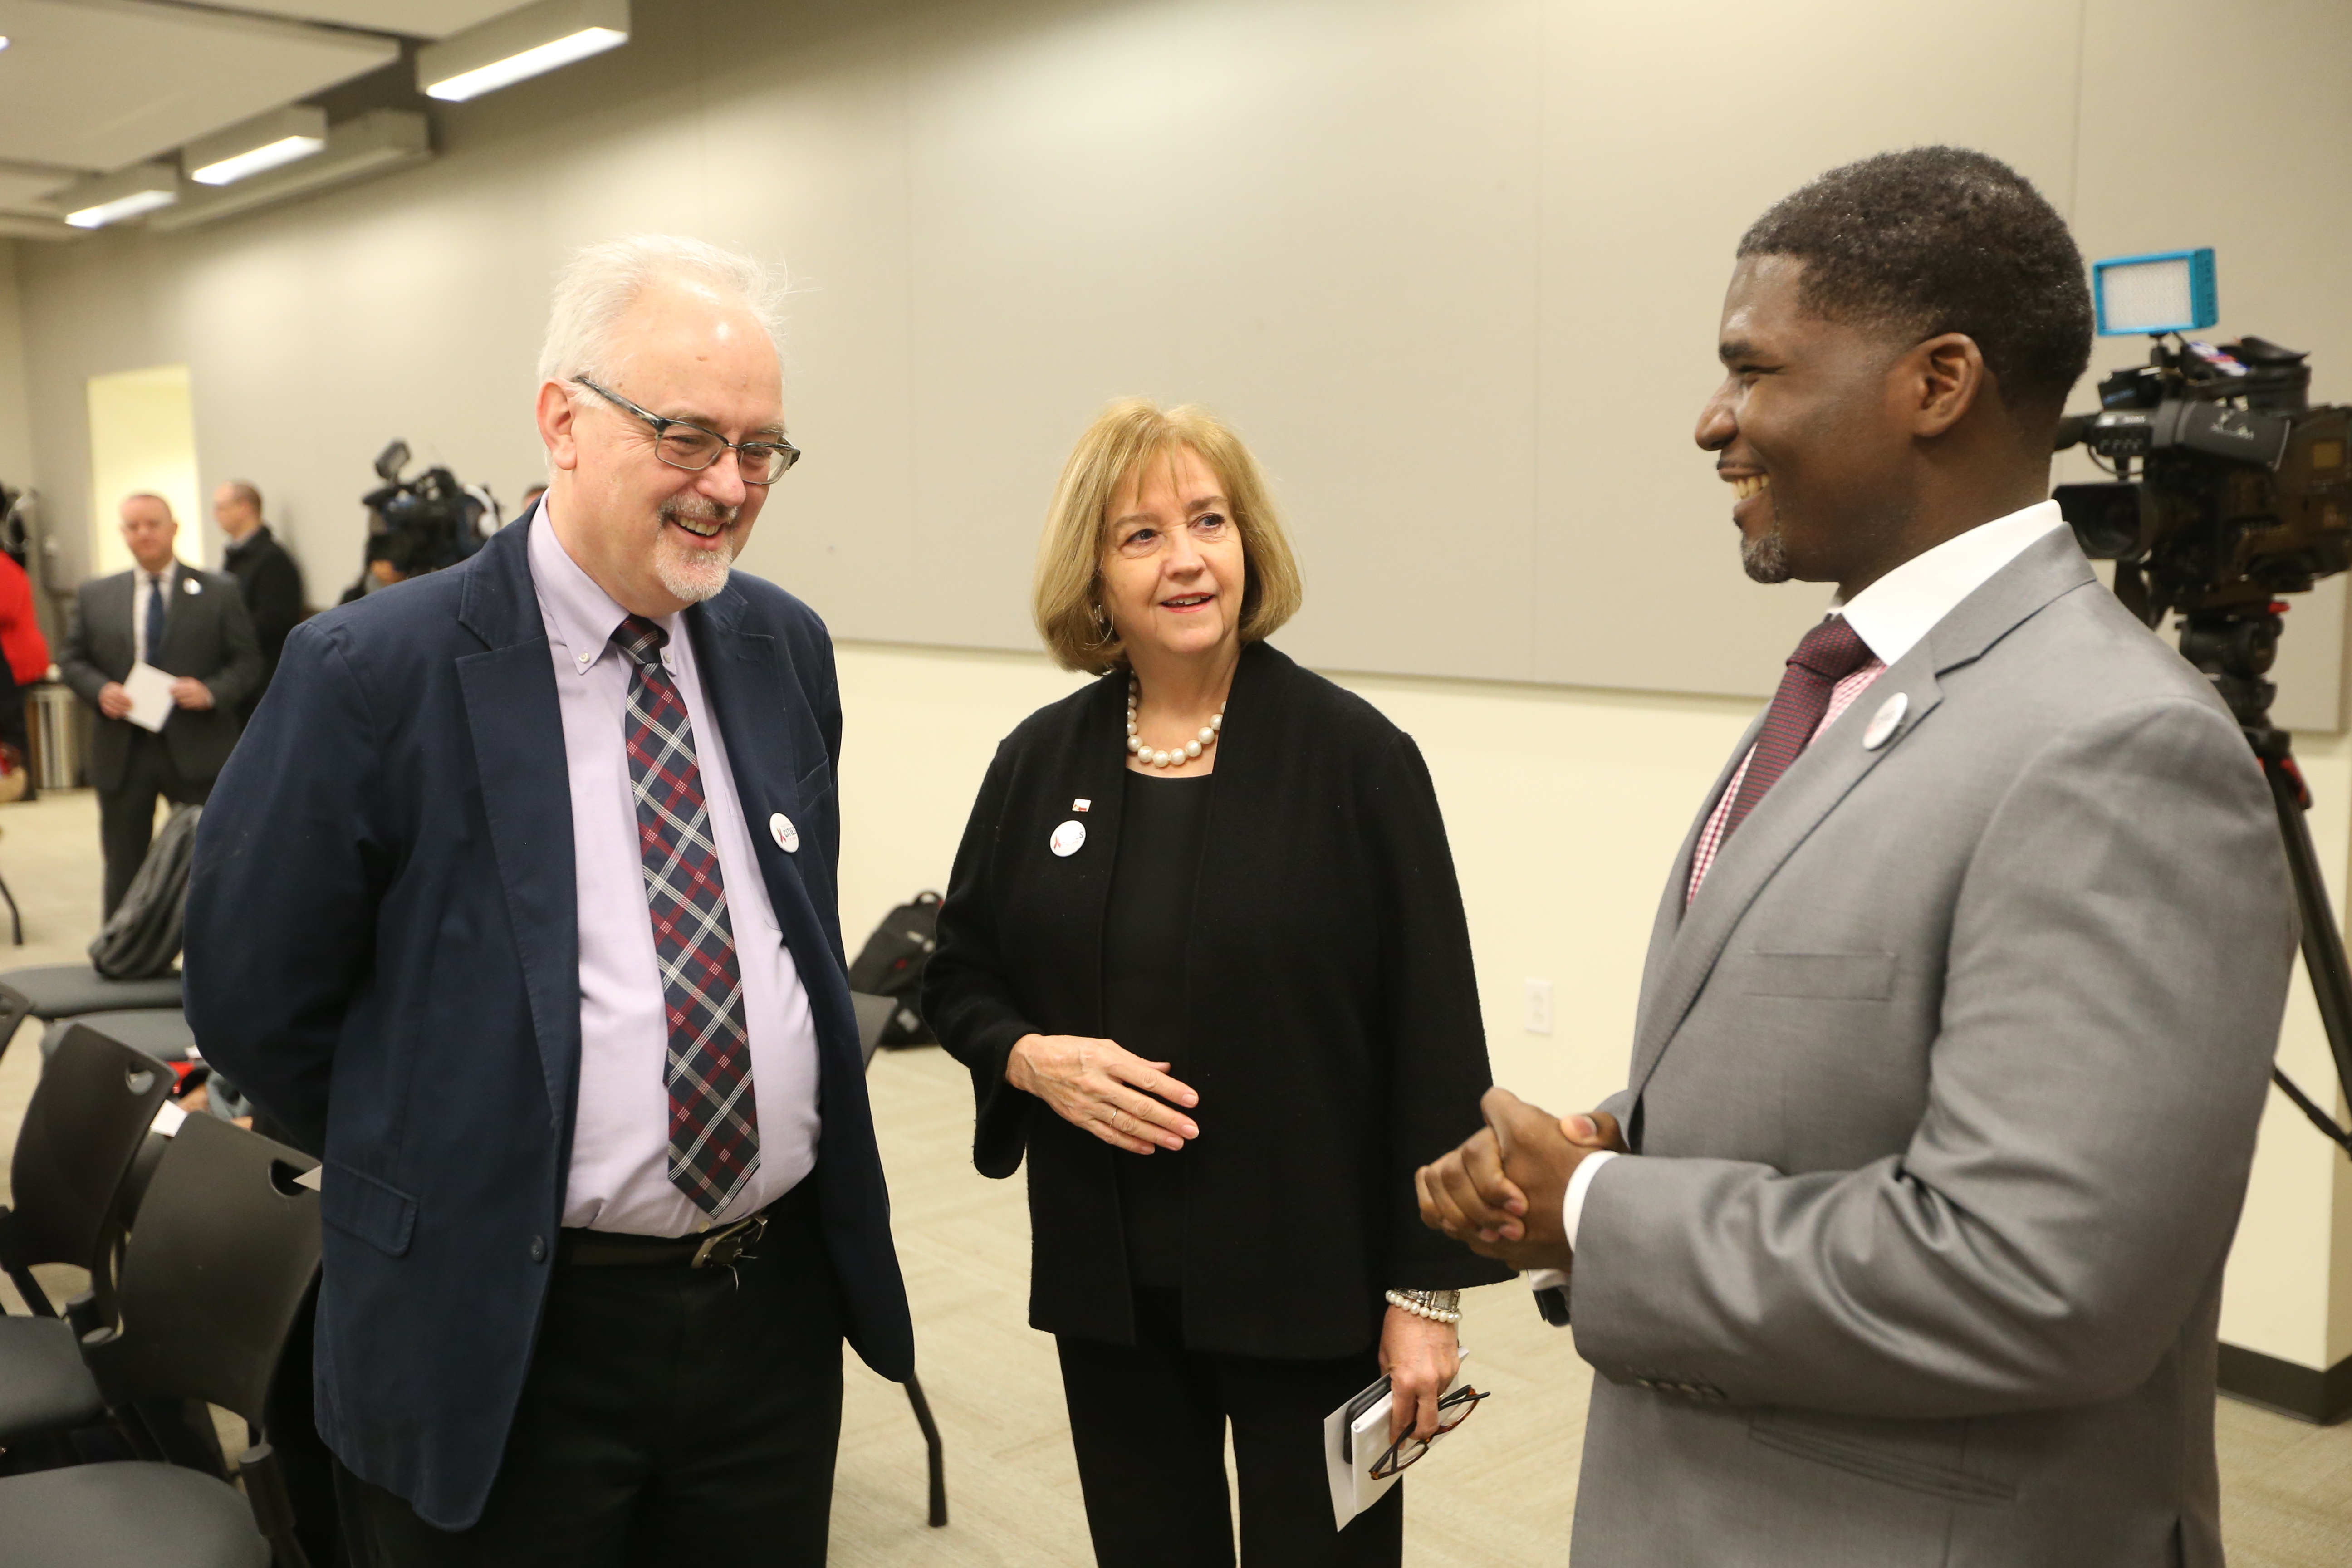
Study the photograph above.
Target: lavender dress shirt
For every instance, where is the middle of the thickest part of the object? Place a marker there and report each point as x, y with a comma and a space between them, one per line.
619, 1178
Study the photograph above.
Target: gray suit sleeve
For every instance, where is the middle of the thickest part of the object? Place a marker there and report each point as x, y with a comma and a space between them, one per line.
76, 668
2118, 963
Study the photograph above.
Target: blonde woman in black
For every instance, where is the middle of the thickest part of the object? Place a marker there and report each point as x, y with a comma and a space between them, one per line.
1204, 954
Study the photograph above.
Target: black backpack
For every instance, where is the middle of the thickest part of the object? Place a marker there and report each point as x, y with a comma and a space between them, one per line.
891, 965
141, 939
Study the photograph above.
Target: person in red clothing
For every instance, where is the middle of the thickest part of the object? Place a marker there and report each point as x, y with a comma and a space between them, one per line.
26, 653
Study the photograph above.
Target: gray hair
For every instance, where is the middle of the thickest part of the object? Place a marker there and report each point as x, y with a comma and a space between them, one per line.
597, 287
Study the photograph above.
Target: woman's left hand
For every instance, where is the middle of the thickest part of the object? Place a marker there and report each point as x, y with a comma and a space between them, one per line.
1421, 1358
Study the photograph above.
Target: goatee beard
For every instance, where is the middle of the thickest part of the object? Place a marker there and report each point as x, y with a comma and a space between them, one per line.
1763, 558
693, 574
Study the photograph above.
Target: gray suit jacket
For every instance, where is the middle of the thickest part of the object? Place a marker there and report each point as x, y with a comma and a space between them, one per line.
1946, 1085
207, 634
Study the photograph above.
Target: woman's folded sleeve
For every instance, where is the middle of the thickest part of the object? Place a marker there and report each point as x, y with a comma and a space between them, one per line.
967, 997
1437, 1043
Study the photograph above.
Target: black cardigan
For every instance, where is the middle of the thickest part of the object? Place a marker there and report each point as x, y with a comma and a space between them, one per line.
1335, 1028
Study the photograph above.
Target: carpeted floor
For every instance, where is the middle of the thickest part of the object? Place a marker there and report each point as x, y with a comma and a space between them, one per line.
1498, 1494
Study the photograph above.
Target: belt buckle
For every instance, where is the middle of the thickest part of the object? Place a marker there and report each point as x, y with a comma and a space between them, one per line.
725, 1248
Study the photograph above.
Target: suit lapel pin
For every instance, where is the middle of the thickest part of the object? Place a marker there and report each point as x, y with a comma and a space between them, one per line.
787, 836
190, 585
1082, 804
1886, 721
1067, 837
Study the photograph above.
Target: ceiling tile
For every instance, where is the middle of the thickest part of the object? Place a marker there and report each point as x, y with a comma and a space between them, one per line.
417, 19
98, 84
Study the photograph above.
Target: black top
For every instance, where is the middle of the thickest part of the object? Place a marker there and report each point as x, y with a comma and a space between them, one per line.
1333, 1028
272, 585
1147, 929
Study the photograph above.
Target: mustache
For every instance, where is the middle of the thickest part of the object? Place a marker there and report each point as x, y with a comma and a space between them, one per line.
699, 509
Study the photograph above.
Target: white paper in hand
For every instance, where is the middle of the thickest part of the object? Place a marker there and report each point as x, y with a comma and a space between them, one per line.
151, 695
1348, 1464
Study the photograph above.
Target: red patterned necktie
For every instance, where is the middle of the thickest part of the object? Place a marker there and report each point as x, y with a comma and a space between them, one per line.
1829, 653
714, 1116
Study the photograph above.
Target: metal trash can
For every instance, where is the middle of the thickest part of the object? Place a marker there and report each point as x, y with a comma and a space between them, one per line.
53, 717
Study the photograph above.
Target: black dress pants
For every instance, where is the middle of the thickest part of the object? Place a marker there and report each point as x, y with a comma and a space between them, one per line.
671, 1417
126, 813
1148, 1423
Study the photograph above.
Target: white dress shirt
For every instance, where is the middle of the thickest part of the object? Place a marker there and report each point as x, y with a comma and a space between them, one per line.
1892, 616
619, 1178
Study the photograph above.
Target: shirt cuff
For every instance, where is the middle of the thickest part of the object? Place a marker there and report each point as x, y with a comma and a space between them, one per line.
1572, 1205
1571, 1212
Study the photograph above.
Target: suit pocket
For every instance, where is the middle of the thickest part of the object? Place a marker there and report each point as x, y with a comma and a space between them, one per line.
376, 1212
1858, 1456
813, 785
1829, 976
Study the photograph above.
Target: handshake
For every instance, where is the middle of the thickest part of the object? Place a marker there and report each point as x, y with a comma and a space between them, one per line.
1501, 1192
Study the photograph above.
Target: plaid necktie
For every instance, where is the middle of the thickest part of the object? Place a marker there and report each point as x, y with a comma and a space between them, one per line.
714, 1116
1829, 653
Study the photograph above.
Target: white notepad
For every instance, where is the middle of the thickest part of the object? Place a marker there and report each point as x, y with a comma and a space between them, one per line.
1349, 1466
151, 695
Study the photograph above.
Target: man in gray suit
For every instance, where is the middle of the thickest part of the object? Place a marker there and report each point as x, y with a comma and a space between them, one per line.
192, 625
1904, 1244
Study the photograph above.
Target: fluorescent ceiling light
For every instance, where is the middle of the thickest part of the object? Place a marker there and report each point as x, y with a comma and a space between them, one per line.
506, 49
376, 142
112, 198
266, 141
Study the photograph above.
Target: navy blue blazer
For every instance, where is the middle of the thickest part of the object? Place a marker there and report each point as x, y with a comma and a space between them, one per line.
382, 952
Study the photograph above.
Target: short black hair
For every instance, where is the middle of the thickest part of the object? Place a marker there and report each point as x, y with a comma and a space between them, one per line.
1942, 240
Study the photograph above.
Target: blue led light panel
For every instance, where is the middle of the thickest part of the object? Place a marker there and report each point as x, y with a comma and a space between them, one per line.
2168, 291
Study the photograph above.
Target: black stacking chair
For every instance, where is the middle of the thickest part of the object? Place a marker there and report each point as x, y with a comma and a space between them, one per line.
82, 1129
223, 1257
52, 991
873, 1017
162, 1031
79, 1138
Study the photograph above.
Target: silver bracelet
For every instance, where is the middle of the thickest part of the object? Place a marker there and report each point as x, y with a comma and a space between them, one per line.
1437, 1306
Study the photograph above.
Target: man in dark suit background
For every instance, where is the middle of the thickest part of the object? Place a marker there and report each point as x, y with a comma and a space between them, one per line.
531, 862
188, 624
265, 576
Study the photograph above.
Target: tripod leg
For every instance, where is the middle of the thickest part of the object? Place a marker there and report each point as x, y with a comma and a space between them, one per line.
937, 1454
2323, 943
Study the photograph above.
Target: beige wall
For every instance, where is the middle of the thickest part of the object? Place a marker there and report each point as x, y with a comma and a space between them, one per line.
16, 422
1565, 807
1454, 267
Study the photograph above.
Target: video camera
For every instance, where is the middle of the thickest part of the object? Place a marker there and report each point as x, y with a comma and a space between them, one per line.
423, 524
2230, 490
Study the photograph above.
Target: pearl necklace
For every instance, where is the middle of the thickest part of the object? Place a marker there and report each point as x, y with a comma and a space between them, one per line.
1180, 755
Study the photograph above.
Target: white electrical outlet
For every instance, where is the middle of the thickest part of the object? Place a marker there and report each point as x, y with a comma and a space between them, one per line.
1538, 1020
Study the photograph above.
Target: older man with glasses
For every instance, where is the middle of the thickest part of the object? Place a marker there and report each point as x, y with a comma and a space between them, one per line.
520, 910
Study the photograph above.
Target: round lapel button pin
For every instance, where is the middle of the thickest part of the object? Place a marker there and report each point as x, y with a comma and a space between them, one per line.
1886, 721
1067, 837
787, 836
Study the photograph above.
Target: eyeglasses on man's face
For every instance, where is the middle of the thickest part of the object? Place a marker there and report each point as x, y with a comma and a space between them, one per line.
693, 448
1452, 1411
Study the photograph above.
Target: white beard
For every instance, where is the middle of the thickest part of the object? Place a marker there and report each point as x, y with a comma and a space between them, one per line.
693, 574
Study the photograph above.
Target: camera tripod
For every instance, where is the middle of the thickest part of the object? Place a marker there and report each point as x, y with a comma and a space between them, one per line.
2234, 646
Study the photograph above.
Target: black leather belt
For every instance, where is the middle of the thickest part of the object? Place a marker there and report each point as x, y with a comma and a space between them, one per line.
720, 1248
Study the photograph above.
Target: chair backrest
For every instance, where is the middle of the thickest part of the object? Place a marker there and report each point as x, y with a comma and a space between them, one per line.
224, 1250
873, 1019
87, 1114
